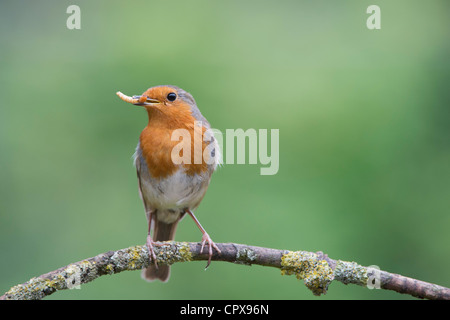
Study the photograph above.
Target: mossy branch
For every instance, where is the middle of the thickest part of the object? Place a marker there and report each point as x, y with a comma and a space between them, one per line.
316, 270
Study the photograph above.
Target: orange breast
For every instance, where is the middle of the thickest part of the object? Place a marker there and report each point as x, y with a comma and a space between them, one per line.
157, 146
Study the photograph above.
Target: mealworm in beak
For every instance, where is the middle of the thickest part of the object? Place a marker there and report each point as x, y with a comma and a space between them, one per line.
126, 98
129, 99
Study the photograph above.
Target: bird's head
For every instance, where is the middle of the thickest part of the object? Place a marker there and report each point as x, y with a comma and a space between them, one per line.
167, 100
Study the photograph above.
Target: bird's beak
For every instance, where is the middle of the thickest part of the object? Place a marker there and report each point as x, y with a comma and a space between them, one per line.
147, 102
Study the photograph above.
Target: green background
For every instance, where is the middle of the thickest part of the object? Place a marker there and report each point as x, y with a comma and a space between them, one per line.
364, 137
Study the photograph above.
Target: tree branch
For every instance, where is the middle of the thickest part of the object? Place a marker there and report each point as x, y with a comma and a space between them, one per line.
316, 270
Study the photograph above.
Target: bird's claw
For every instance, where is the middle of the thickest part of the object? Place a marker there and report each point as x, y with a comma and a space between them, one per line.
151, 251
207, 239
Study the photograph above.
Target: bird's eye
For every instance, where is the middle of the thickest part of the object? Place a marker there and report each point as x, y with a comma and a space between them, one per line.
171, 96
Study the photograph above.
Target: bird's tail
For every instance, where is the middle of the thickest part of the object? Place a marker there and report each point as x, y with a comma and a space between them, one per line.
162, 232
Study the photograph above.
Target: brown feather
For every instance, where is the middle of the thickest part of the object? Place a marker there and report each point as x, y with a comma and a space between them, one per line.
162, 232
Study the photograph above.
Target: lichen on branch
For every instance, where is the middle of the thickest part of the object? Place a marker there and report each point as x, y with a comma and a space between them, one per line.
316, 273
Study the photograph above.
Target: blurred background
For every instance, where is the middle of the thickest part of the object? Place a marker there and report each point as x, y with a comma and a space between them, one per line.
363, 117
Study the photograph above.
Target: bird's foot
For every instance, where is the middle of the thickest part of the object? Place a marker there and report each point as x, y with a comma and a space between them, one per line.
207, 239
151, 251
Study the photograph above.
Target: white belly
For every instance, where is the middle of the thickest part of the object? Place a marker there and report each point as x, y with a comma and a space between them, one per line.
170, 196
177, 191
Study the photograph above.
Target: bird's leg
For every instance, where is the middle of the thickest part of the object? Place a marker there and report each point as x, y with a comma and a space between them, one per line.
205, 238
150, 241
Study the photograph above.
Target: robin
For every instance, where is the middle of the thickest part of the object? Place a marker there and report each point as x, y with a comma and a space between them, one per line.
170, 189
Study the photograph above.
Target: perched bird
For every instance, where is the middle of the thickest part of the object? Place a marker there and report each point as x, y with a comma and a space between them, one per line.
168, 187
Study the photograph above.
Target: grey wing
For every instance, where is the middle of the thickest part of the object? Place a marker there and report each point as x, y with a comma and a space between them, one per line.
140, 168
214, 147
